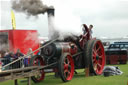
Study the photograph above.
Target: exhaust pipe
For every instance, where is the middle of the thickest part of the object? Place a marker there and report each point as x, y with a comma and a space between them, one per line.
52, 33
50, 13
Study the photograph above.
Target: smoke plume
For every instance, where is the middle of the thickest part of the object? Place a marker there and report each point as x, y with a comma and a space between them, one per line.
35, 7
63, 25
31, 7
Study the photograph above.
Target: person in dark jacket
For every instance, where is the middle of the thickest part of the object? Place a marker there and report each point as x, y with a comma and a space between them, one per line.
8, 58
18, 53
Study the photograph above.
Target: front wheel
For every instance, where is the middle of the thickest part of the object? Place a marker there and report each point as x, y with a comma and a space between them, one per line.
37, 61
66, 67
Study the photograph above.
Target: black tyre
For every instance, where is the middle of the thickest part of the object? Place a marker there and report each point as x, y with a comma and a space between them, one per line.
66, 67
37, 60
86, 51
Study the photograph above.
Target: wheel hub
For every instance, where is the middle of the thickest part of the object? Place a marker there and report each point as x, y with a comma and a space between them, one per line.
97, 57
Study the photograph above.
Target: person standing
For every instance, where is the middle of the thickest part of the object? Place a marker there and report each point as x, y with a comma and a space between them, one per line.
29, 55
90, 30
19, 54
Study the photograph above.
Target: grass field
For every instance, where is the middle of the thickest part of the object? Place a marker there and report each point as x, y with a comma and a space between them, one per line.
80, 79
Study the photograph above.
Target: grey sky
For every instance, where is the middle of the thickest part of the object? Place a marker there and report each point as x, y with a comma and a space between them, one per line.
109, 17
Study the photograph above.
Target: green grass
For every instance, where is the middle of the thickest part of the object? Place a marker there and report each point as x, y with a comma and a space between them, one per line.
80, 79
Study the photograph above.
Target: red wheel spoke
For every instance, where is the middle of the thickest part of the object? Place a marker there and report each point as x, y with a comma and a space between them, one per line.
64, 63
68, 62
69, 72
66, 66
97, 70
99, 65
94, 53
98, 49
65, 72
94, 60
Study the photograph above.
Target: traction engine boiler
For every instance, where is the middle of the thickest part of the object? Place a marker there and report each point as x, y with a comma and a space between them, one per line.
58, 48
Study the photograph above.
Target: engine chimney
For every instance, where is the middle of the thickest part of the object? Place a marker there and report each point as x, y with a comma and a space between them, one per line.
51, 26
50, 12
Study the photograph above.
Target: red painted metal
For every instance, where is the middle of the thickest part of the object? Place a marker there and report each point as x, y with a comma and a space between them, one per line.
39, 62
69, 47
68, 67
22, 39
98, 57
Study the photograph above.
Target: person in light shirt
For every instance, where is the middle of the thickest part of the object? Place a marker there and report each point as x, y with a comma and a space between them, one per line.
27, 59
90, 30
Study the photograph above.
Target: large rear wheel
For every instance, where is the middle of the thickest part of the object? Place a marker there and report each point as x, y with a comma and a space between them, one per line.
66, 67
96, 55
37, 61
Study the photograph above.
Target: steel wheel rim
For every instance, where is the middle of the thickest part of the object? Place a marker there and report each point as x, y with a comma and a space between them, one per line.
68, 67
39, 62
98, 59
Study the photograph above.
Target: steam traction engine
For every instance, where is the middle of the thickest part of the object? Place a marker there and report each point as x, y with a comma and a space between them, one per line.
74, 52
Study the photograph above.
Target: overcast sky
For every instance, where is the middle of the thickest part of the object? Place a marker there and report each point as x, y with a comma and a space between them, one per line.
109, 17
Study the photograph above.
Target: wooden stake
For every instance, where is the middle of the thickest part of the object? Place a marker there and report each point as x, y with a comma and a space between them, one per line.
15, 82
29, 80
87, 72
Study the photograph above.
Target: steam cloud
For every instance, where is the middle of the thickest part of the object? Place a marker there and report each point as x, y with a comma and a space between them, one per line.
31, 7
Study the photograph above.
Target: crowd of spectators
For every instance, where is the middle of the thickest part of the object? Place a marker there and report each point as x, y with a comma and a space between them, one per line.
7, 56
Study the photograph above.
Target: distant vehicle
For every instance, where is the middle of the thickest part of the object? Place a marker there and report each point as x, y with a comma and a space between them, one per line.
121, 42
117, 53
119, 45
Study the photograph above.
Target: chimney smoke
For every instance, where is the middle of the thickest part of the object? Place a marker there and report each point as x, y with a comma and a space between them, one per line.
31, 7
35, 7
